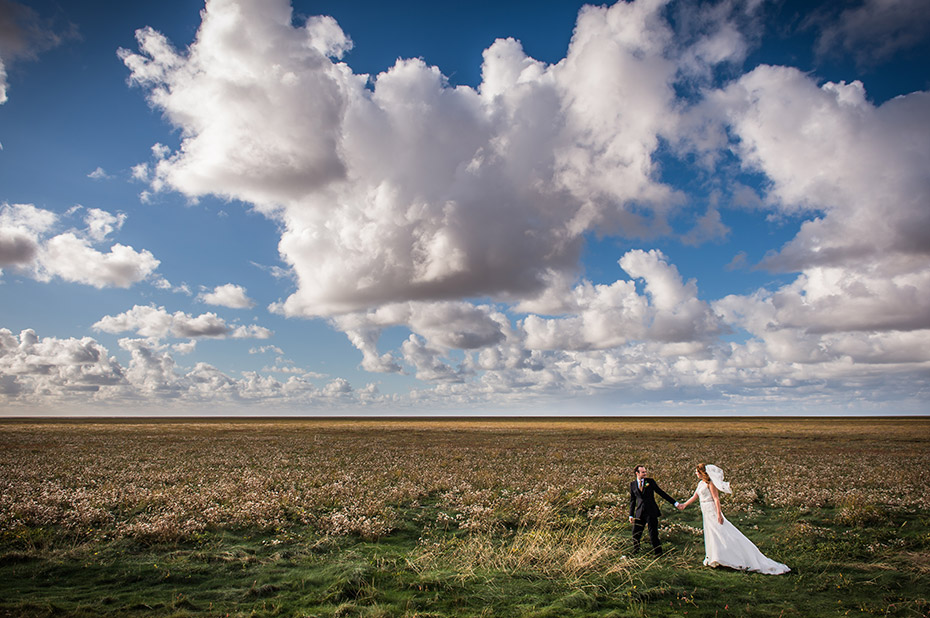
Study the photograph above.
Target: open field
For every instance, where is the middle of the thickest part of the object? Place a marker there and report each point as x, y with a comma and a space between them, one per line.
442, 518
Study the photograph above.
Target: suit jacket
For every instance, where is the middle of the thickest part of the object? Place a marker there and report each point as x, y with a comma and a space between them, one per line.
643, 503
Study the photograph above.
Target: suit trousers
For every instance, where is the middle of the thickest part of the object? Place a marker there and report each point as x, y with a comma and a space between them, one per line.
651, 522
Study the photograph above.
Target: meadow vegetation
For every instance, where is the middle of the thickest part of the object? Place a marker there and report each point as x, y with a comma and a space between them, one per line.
454, 518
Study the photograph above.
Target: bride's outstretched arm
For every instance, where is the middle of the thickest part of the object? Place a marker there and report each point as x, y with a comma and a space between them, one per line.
716, 495
681, 507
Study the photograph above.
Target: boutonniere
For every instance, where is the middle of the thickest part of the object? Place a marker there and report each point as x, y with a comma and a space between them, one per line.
645, 484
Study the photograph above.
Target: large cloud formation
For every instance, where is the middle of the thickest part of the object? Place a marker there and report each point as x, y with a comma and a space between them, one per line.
401, 199
387, 192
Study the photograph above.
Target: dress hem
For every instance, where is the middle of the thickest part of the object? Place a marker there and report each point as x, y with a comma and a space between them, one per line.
714, 564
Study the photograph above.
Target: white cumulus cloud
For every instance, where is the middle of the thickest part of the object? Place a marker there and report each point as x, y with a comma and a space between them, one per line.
74, 259
157, 323
26, 243
21, 226
861, 171
608, 316
228, 295
55, 368
385, 192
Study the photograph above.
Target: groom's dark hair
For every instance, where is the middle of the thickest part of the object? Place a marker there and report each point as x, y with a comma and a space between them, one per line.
636, 468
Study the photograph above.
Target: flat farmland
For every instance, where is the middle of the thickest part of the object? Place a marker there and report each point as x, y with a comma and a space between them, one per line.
469, 517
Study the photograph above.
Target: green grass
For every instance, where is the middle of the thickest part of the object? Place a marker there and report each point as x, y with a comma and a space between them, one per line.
873, 568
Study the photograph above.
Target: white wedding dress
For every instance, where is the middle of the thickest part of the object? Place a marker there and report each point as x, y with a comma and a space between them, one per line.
724, 545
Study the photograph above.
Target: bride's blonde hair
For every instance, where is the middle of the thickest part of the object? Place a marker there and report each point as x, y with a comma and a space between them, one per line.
702, 474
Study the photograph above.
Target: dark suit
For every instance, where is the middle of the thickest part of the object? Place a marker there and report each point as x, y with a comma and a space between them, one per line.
645, 512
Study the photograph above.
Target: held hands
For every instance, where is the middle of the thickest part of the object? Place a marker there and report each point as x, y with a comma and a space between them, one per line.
681, 507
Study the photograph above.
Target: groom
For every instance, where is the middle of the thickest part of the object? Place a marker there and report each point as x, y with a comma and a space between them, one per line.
643, 509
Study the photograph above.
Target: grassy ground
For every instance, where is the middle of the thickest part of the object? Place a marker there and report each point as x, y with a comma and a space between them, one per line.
479, 519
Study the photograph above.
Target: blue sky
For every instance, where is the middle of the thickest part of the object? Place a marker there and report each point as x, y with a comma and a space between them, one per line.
347, 207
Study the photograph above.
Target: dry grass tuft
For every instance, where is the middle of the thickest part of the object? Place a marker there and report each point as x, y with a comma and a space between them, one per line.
857, 510
572, 552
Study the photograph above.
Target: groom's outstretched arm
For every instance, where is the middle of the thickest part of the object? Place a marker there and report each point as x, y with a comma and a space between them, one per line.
659, 491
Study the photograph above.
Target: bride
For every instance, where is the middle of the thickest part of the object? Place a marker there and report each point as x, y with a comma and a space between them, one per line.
724, 545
